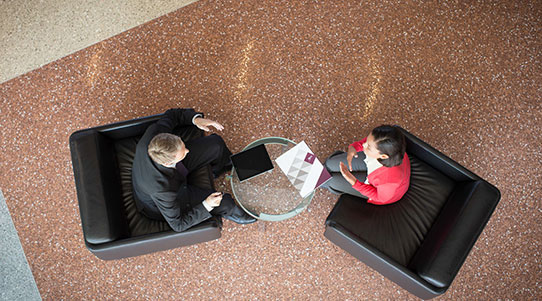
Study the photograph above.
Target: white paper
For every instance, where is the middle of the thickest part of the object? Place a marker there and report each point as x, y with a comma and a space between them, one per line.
302, 168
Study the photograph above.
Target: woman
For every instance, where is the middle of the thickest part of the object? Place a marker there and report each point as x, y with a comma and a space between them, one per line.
376, 167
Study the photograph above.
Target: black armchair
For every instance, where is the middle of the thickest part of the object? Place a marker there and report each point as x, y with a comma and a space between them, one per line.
421, 241
112, 227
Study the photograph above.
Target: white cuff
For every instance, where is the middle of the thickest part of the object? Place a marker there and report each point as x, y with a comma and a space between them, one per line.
209, 208
194, 118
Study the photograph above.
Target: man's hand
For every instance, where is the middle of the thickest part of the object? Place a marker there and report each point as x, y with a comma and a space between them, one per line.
204, 124
214, 199
352, 153
348, 176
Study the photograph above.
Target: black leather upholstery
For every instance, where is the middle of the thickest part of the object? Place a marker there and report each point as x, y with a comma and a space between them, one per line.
421, 241
453, 235
397, 229
98, 187
138, 223
113, 228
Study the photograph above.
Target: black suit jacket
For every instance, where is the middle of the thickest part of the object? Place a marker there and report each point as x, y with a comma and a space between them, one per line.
159, 190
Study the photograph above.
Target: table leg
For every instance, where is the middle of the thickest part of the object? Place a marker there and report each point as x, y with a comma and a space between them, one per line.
261, 226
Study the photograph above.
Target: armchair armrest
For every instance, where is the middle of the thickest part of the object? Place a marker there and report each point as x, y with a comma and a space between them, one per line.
380, 262
454, 232
159, 241
98, 187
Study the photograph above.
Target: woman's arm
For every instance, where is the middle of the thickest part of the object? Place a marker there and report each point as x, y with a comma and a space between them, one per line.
380, 194
358, 145
348, 176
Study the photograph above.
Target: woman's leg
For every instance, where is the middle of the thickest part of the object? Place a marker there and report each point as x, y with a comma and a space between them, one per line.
339, 185
332, 163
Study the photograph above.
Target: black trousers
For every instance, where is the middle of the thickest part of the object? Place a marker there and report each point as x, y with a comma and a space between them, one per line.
207, 150
203, 151
338, 183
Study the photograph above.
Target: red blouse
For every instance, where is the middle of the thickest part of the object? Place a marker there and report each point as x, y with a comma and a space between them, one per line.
387, 184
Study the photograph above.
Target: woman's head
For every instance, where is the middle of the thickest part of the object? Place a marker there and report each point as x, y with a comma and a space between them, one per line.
387, 144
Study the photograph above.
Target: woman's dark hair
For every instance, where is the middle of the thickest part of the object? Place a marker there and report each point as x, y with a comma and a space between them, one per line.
390, 141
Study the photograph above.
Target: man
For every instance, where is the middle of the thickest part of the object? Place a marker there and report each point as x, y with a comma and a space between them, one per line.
161, 165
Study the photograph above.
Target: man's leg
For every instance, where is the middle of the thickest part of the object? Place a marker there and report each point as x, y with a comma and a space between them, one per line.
229, 210
193, 196
213, 150
226, 207
207, 150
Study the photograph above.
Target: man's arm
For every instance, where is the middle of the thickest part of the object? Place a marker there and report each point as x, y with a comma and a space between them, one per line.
177, 218
177, 117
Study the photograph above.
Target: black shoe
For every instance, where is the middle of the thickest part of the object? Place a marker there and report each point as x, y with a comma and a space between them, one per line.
240, 217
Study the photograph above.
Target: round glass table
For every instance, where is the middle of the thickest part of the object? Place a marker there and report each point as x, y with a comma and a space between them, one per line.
270, 196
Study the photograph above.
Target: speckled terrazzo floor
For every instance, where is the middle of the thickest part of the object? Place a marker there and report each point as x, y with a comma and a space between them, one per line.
466, 78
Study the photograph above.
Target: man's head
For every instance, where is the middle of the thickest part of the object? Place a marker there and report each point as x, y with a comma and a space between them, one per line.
167, 149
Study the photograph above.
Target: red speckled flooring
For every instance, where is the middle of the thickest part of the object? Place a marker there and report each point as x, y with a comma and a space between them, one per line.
466, 78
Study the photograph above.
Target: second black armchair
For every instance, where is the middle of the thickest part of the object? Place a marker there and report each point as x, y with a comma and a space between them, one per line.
421, 241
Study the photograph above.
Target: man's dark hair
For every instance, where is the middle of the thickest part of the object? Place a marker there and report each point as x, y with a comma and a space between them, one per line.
390, 141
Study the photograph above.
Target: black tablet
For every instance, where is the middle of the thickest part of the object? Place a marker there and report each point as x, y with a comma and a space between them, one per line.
251, 162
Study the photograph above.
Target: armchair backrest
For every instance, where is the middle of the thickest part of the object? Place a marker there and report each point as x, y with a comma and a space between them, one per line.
436, 159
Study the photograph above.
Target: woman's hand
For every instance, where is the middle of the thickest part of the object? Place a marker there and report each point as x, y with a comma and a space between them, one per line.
348, 176
352, 153
204, 124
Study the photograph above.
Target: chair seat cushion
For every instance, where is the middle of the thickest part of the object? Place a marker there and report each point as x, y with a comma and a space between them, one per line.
398, 229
